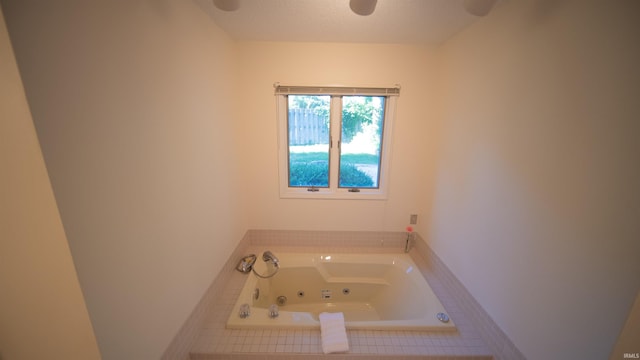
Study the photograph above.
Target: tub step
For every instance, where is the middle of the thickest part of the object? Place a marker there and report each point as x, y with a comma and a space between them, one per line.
356, 280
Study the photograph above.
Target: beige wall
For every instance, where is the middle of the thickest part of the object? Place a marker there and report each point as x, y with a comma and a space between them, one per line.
537, 203
263, 64
134, 105
42, 311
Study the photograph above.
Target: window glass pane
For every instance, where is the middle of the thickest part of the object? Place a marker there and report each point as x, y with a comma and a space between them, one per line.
362, 125
308, 129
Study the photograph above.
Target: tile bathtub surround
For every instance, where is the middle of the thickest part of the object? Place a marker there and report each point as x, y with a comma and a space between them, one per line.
374, 241
217, 342
477, 337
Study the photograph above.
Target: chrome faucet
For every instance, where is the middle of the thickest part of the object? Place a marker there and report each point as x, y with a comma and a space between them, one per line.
268, 256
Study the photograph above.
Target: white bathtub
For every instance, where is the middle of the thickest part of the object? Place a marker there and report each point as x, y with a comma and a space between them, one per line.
374, 291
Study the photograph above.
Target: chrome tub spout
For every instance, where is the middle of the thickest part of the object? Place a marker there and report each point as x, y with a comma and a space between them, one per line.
268, 256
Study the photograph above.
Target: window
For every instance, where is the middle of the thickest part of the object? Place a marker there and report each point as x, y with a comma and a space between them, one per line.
335, 142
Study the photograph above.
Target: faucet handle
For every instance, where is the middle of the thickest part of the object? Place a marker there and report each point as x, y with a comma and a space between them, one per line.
273, 311
245, 311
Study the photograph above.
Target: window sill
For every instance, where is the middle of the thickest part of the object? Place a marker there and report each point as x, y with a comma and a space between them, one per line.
329, 194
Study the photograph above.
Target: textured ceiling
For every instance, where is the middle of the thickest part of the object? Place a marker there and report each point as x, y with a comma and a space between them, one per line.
426, 22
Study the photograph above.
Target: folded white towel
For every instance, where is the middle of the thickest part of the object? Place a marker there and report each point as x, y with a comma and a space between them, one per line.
333, 332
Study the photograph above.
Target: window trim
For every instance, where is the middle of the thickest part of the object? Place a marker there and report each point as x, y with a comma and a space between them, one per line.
334, 191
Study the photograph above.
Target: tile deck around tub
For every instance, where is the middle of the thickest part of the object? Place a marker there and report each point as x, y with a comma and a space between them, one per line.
217, 342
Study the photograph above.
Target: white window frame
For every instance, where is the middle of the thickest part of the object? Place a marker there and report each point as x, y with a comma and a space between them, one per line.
333, 191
